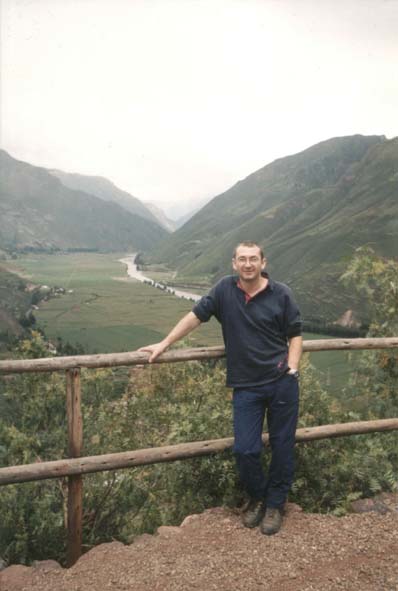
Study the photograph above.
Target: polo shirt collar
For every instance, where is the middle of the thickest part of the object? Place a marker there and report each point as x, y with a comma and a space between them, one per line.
271, 282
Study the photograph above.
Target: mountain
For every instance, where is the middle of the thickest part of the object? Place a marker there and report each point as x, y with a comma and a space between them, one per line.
38, 212
104, 189
179, 222
309, 211
180, 212
161, 217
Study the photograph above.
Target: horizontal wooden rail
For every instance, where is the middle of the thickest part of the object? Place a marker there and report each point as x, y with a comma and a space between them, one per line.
171, 453
136, 358
74, 468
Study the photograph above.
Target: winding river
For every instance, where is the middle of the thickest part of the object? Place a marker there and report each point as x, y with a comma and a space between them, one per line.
134, 273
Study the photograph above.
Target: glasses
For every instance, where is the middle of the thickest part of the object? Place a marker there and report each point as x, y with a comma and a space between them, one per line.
243, 260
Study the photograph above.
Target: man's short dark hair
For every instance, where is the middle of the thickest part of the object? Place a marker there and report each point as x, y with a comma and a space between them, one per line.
248, 244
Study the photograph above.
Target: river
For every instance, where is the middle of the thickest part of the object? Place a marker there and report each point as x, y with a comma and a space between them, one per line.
134, 273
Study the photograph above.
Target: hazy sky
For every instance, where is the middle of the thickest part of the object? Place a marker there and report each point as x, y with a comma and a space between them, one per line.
177, 100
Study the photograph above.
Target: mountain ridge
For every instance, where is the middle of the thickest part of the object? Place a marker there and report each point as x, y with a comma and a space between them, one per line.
309, 211
38, 212
104, 189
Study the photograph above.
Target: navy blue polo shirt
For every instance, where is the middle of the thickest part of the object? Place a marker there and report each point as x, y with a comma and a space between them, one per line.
255, 331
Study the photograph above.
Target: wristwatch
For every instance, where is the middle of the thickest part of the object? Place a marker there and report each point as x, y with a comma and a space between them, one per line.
293, 372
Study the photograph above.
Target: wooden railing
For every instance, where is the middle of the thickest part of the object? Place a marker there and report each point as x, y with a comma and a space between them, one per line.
76, 466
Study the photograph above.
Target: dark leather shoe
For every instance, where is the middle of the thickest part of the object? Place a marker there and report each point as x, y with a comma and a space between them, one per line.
272, 521
254, 513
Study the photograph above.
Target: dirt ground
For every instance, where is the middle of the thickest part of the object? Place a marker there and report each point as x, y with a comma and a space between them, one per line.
213, 551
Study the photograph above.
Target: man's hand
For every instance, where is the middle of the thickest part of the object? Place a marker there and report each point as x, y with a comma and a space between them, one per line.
182, 328
155, 350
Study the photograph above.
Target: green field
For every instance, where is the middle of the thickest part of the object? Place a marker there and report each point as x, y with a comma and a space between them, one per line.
107, 312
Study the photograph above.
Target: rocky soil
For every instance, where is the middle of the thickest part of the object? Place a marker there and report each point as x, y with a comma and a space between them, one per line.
213, 551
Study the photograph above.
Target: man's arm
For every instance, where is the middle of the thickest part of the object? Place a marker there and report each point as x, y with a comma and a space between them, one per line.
295, 350
181, 329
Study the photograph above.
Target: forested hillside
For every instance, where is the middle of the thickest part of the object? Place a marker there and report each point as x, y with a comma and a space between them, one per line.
105, 190
309, 211
37, 212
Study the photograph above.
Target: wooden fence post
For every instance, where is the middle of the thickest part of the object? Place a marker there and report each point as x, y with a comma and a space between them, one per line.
75, 483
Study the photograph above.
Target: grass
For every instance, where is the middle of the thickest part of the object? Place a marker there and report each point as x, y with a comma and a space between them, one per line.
107, 312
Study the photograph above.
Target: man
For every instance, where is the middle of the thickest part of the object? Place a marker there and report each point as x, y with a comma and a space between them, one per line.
262, 334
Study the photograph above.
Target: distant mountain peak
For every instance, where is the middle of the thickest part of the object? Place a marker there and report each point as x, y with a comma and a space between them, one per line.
161, 217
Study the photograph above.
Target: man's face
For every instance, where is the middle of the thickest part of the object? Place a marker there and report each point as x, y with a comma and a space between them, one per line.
248, 263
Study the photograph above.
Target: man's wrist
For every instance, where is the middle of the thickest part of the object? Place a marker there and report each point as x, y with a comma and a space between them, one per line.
292, 371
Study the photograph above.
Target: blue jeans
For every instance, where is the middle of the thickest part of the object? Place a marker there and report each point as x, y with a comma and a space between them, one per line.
281, 401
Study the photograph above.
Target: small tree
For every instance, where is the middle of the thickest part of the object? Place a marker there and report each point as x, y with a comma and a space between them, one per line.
374, 382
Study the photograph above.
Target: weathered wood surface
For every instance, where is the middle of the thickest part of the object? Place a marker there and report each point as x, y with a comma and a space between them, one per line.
141, 457
106, 360
136, 358
75, 519
75, 482
74, 413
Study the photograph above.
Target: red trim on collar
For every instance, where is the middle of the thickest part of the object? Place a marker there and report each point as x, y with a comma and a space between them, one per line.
249, 297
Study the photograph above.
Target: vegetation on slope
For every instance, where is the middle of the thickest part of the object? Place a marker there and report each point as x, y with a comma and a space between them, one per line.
15, 306
309, 211
105, 190
38, 213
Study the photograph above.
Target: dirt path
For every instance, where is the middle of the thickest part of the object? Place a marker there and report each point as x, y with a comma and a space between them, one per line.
213, 551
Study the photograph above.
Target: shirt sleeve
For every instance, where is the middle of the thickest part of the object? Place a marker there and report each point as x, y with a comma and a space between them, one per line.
207, 306
293, 322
